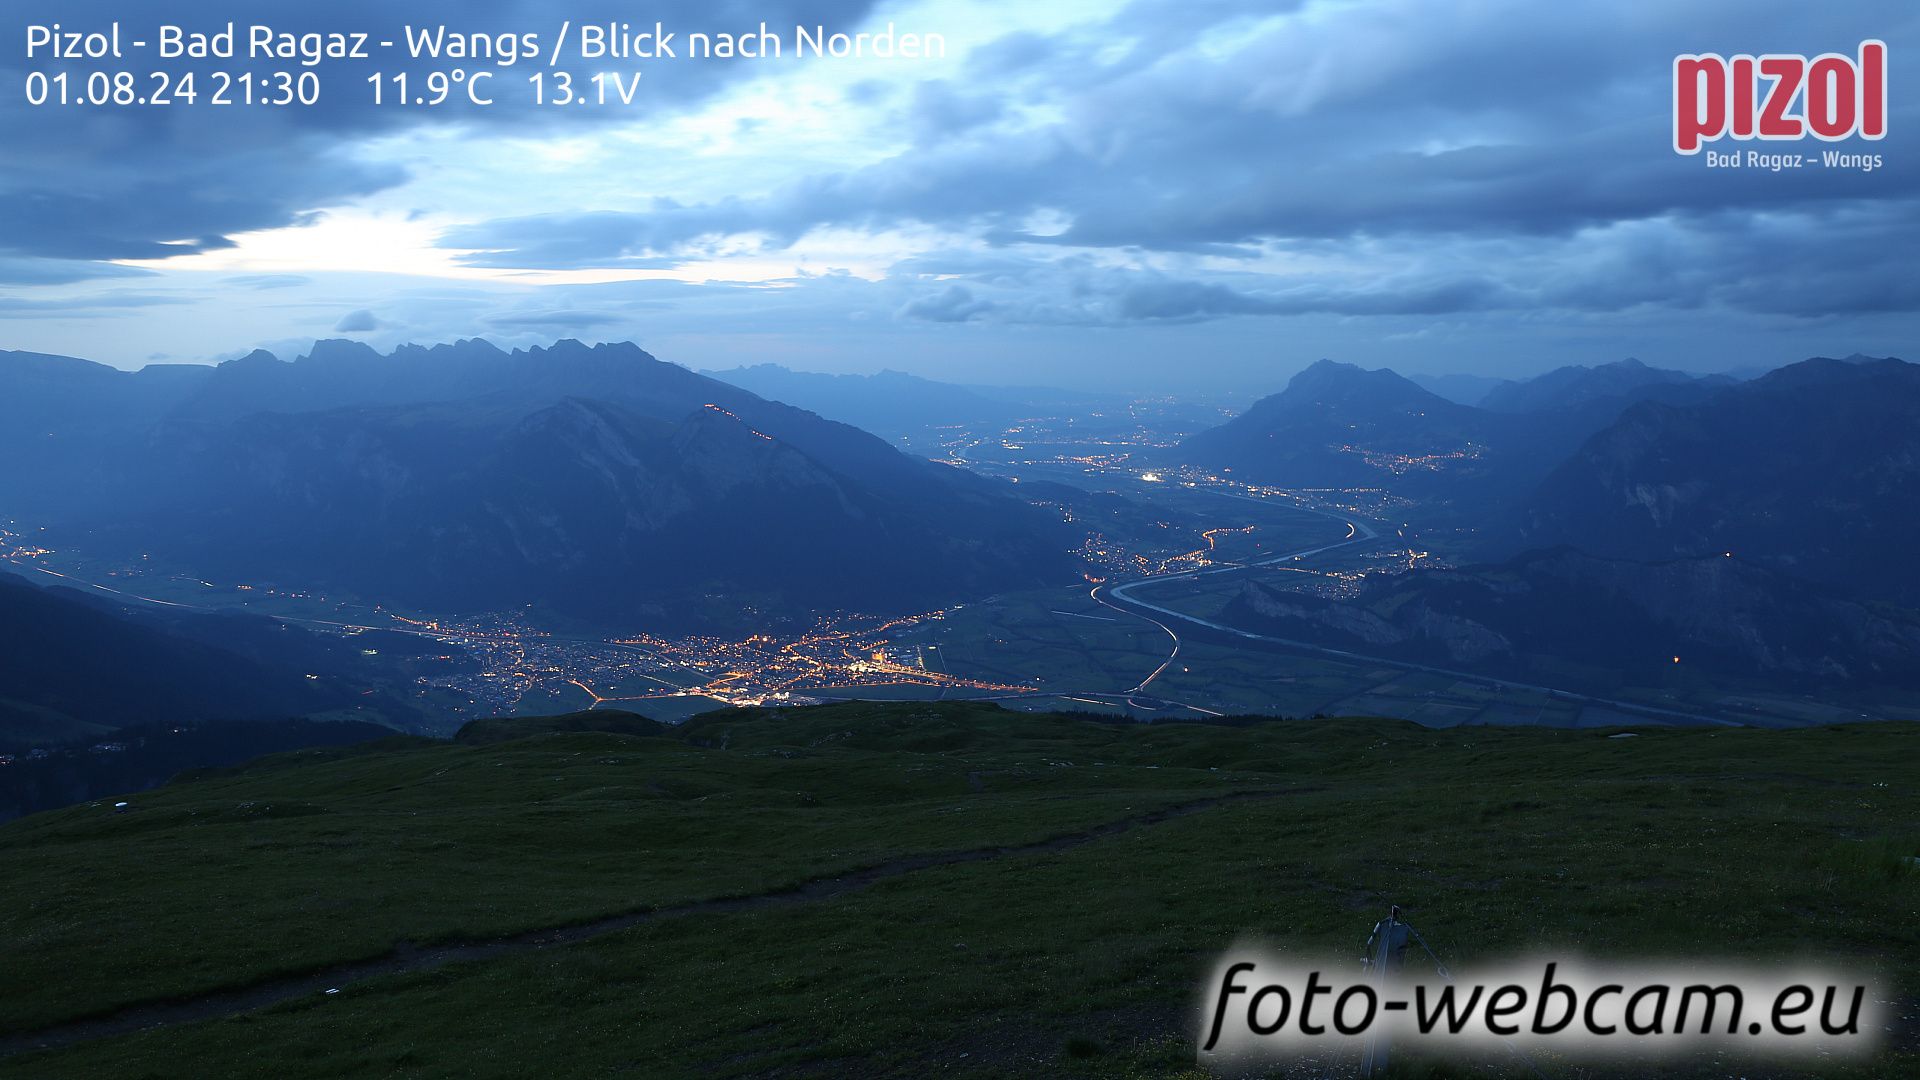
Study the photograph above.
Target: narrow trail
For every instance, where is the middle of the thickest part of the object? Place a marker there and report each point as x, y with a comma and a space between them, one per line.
407, 959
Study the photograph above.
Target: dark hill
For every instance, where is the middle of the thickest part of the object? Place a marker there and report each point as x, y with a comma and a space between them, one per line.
71, 667
1608, 386
1337, 425
1564, 617
1813, 469
1340, 425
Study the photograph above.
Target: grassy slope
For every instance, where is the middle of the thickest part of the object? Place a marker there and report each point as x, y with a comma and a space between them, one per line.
1085, 959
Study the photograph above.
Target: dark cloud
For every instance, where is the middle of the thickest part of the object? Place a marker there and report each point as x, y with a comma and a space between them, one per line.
1508, 131
1197, 300
1822, 261
940, 110
358, 322
32, 271
955, 303
603, 239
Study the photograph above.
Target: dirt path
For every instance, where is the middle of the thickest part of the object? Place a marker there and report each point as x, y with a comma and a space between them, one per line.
406, 959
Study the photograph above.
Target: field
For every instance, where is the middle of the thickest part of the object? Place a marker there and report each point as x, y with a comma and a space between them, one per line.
909, 888
1066, 645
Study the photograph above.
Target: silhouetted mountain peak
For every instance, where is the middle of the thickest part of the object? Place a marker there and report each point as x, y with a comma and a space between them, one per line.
1812, 469
606, 351
340, 351
1325, 372
463, 349
1827, 372
255, 359
16, 363
1329, 382
1608, 386
1337, 423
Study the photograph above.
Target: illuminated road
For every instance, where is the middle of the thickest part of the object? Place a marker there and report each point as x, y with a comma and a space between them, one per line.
1120, 598
1094, 593
1358, 532
831, 661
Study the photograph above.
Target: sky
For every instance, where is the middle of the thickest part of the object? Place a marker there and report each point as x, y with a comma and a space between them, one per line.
1157, 196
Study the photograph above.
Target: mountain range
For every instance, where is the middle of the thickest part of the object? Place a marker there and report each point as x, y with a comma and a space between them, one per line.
1813, 469
1761, 530
1337, 425
598, 483
1608, 387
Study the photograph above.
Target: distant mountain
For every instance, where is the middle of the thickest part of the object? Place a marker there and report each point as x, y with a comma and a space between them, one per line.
1812, 469
597, 483
1612, 386
1459, 389
1565, 618
74, 667
62, 417
890, 403
46, 392
1338, 425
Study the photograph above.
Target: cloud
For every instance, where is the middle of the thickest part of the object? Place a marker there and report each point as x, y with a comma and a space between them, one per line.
205, 172
94, 305
1375, 169
557, 319
33, 271
261, 282
358, 322
1174, 136
940, 110
1194, 300
955, 303
603, 239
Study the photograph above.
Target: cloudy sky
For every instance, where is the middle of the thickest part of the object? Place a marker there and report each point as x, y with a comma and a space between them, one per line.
1157, 195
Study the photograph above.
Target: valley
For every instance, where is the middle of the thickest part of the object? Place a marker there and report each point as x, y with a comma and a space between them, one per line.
1166, 548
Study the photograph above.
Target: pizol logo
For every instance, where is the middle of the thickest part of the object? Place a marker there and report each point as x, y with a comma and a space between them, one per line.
1779, 96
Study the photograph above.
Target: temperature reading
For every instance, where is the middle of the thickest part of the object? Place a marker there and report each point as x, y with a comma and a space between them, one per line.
435, 88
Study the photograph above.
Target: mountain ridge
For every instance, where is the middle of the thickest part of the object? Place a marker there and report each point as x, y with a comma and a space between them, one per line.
432, 457
1768, 469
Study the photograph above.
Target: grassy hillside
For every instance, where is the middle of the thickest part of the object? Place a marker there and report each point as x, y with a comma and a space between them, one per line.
900, 889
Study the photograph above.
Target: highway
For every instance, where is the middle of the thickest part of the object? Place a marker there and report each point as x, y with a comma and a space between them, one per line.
1358, 532
1121, 598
